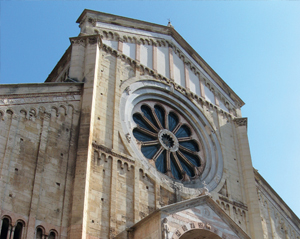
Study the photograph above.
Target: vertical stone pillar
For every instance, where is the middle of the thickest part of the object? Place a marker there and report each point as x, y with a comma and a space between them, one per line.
138, 52
113, 199
186, 76
249, 180
171, 63
137, 57
87, 63
117, 95
71, 121
202, 92
157, 195
9, 234
136, 194
154, 57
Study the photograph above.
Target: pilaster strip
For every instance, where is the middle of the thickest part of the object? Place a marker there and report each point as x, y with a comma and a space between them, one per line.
186, 76
113, 199
154, 57
136, 195
171, 63
38, 176
249, 179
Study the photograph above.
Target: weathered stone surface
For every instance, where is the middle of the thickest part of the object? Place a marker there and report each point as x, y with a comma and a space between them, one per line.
71, 166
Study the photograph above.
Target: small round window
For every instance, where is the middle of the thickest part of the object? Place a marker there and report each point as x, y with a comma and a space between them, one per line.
168, 141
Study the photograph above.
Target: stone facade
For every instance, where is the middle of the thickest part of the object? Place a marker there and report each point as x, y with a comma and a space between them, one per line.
88, 154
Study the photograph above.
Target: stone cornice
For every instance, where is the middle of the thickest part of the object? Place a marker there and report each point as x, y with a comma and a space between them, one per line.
39, 93
111, 152
39, 98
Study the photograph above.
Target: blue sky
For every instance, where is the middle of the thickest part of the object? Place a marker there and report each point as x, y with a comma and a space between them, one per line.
253, 46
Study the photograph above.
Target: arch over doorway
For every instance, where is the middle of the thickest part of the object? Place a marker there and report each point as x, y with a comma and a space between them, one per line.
199, 234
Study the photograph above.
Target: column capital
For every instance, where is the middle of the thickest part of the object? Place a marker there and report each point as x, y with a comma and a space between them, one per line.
241, 121
87, 39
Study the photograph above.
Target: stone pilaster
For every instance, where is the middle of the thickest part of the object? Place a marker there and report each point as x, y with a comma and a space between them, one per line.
186, 76
113, 199
136, 194
256, 230
38, 176
84, 64
171, 63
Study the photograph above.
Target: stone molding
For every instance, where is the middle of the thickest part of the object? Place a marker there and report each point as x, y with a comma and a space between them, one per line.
203, 225
39, 98
111, 152
240, 205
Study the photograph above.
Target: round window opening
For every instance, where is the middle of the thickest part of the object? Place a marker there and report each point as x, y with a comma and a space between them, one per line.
168, 141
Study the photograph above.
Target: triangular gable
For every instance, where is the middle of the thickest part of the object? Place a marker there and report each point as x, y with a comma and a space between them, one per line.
162, 51
200, 213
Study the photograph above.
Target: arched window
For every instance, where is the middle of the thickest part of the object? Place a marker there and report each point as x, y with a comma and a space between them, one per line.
4, 228
39, 233
18, 230
51, 235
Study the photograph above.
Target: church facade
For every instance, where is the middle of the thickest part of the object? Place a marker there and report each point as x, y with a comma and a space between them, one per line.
133, 135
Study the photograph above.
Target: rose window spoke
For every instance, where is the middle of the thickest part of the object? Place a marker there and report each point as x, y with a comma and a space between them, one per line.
168, 140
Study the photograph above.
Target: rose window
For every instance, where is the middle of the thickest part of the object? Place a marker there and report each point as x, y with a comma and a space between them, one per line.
168, 141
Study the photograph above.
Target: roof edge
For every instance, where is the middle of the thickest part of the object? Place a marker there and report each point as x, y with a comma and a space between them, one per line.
261, 178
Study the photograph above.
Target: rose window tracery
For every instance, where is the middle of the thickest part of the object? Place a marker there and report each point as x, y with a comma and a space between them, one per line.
168, 141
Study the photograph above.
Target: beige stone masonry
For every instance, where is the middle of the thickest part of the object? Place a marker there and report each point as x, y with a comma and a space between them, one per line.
250, 189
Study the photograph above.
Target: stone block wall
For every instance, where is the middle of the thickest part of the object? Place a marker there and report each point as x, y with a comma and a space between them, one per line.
38, 134
131, 189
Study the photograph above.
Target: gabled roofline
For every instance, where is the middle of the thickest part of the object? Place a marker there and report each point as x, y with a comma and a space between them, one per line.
190, 203
156, 28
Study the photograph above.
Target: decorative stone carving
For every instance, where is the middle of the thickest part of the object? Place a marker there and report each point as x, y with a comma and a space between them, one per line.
200, 224
93, 40
178, 233
165, 229
128, 137
241, 121
78, 41
208, 226
205, 190
127, 89
92, 21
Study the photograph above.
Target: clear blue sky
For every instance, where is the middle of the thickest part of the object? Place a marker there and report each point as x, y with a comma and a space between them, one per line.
253, 46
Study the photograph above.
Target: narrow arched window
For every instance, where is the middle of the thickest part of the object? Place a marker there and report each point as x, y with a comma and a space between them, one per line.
4, 228
39, 233
51, 235
18, 231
